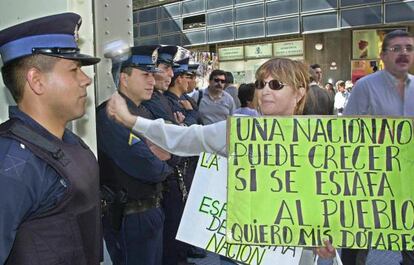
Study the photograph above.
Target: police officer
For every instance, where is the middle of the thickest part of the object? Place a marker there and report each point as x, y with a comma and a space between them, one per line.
49, 195
158, 105
177, 90
131, 175
175, 252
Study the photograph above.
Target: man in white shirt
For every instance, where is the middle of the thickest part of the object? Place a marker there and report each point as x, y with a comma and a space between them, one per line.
388, 92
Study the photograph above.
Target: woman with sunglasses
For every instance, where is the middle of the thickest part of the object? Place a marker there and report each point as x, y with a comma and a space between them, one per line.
281, 87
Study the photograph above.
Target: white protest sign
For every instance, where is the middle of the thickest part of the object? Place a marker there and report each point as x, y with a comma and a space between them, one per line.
204, 220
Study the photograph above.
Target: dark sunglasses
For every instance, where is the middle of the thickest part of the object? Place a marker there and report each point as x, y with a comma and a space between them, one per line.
218, 80
273, 84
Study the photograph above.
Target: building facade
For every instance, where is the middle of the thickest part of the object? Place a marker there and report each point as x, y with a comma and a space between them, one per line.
343, 36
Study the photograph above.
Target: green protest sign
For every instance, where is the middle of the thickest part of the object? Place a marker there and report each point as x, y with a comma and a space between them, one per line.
298, 180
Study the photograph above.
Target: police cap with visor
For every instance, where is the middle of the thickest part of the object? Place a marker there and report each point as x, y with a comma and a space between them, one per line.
143, 58
53, 35
182, 67
166, 55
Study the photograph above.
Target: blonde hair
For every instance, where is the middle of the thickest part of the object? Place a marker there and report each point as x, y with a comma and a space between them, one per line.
293, 73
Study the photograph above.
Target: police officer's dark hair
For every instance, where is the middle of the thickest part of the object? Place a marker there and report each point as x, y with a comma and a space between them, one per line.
314, 66
127, 70
216, 73
246, 93
229, 78
392, 35
172, 83
14, 72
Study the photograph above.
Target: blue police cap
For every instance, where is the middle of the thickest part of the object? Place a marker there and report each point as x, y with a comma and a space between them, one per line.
143, 58
166, 55
182, 67
194, 69
52, 35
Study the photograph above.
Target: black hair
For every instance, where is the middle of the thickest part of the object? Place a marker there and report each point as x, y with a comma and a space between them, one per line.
229, 78
14, 72
314, 66
246, 93
392, 35
216, 73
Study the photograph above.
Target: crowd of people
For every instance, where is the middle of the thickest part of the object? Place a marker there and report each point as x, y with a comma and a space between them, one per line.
57, 200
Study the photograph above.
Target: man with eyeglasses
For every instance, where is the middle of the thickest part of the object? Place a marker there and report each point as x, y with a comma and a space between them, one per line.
49, 184
214, 103
388, 92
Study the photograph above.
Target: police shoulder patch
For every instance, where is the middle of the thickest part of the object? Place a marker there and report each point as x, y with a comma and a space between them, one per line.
133, 139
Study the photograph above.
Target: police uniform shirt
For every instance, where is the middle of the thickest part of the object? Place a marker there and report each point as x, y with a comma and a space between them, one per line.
127, 150
28, 185
159, 107
191, 116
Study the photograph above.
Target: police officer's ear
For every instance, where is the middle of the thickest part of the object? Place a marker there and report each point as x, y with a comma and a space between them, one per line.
35, 80
123, 79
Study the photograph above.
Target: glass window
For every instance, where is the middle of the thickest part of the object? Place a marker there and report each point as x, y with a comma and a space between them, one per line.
147, 15
135, 17
135, 30
196, 37
280, 8
168, 11
172, 25
399, 12
283, 26
358, 2
193, 6
220, 17
148, 30
148, 41
249, 12
320, 22
192, 22
171, 39
361, 16
318, 4
243, 1
250, 30
221, 34
218, 3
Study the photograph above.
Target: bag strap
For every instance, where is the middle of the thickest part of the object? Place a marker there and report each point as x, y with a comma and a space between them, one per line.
16, 128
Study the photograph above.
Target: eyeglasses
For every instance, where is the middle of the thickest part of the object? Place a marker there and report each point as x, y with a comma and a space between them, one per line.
399, 49
55, 50
218, 80
273, 84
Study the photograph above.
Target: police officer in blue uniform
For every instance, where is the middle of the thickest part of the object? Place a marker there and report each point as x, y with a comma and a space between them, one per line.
177, 91
131, 175
49, 195
158, 105
175, 252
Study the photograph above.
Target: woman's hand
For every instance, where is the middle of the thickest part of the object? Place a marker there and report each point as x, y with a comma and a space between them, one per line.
326, 252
